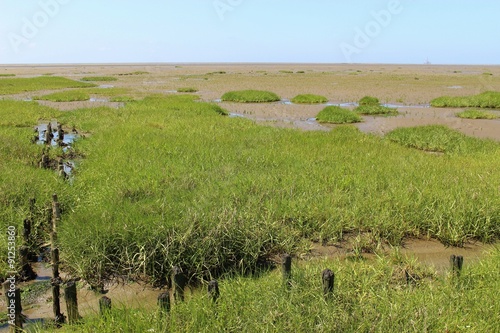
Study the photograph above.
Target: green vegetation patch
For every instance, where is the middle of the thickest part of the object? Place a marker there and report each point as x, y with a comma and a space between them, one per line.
134, 73
250, 96
7, 75
437, 138
19, 85
99, 78
187, 90
489, 99
337, 115
65, 96
122, 99
369, 100
309, 99
373, 110
476, 114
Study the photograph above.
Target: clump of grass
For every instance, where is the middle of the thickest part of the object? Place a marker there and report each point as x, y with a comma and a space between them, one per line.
187, 90
437, 138
122, 99
488, 99
309, 99
250, 96
134, 73
337, 115
476, 114
369, 100
375, 110
300, 72
216, 73
65, 96
99, 78
18, 85
7, 75
286, 72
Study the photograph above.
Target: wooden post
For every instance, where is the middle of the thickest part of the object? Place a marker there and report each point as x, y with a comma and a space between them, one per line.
56, 280
45, 161
287, 270
14, 307
26, 230
164, 301
456, 264
48, 134
104, 305
60, 134
213, 290
60, 168
178, 283
328, 278
27, 273
70, 297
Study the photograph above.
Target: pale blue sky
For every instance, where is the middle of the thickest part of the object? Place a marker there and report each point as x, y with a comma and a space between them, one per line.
326, 31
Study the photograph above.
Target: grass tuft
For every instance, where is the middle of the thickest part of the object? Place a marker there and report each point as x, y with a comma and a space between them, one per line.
65, 96
19, 85
309, 99
7, 75
476, 114
99, 78
337, 115
373, 110
250, 96
187, 90
488, 99
369, 100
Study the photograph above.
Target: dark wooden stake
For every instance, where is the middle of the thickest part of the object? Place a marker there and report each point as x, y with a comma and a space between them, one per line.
56, 280
48, 134
213, 290
286, 265
14, 307
164, 301
328, 278
27, 272
178, 283
456, 264
70, 297
104, 305
60, 134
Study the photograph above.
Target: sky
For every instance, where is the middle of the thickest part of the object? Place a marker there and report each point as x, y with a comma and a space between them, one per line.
279, 31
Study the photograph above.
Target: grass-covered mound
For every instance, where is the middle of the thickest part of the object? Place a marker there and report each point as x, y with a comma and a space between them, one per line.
369, 100
489, 99
309, 99
250, 96
437, 138
99, 78
168, 181
476, 114
7, 75
187, 90
375, 110
65, 96
18, 85
337, 115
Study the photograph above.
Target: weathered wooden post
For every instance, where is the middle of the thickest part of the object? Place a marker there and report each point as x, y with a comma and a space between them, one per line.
328, 278
60, 134
48, 134
213, 290
456, 264
164, 301
178, 283
104, 305
56, 280
45, 161
14, 307
71, 299
36, 136
60, 168
286, 265
27, 273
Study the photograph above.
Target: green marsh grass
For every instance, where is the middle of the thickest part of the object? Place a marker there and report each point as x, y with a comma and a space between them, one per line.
309, 99
7, 75
337, 115
476, 114
99, 78
372, 110
169, 181
369, 296
489, 99
250, 96
65, 96
123, 99
369, 100
19, 85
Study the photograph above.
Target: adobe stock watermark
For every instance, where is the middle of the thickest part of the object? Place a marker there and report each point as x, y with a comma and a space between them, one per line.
31, 26
224, 6
372, 29
11, 280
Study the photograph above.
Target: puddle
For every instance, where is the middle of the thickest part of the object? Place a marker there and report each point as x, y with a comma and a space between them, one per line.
95, 99
236, 115
68, 138
106, 86
455, 87
286, 101
218, 100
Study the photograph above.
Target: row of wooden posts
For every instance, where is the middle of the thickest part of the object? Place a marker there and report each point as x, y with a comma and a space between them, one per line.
179, 280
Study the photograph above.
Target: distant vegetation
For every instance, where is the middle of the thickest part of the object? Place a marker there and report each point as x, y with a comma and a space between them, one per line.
437, 138
309, 99
122, 99
187, 90
99, 78
373, 110
285, 72
476, 114
250, 96
7, 75
337, 115
134, 73
19, 85
65, 96
369, 100
489, 99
